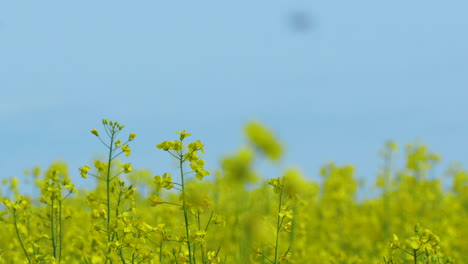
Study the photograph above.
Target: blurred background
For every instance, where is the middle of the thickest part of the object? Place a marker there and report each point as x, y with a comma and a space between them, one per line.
333, 79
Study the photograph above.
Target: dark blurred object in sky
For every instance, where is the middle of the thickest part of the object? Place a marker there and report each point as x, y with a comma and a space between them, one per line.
300, 21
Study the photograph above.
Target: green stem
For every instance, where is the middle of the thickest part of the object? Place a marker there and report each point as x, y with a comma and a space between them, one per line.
278, 224
194, 253
52, 228
18, 235
60, 231
184, 205
386, 195
108, 178
160, 251
292, 235
209, 221
116, 234
201, 245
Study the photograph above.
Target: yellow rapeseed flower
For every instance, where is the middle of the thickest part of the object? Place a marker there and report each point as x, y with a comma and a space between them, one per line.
95, 132
155, 200
126, 150
183, 134
100, 166
394, 243
264, 140
84, 171
127, 167
166, 145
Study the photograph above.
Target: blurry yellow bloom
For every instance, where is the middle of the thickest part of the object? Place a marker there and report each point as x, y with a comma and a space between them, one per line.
99, 165
131, 136
286, 258
164, 182
238, 167
414, 243
277, 184
115, 244
130, 192
84, 171
286, 227
197, 199
219, 220
213, 257
146, 227
294, 183
201, 174
196, 146
2, 214
394, 243
7, 202
155, 200
96, 259
36, 172
183, 134
129, 229
200, 236
14, 183
165, 145
95, 132
392, 145
264, 140
191, 156
177, 145
380, 181
127, 167
95, 214
126, 150
197, 167
43, 200
102, 213
183, 259
285, 212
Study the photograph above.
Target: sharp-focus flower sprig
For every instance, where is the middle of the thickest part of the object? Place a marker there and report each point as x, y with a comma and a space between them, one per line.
190, 153
423, 247
115, 148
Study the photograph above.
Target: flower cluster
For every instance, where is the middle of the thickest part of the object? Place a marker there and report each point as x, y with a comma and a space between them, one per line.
192, 155
423, 246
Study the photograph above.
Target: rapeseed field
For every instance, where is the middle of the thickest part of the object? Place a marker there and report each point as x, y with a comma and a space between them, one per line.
234, 215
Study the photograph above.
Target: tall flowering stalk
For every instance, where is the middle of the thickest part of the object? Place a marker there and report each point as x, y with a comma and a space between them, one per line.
115, 148
190, 154
56, 187
19, 209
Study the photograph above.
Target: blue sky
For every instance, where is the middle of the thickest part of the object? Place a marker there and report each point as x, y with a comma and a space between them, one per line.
356, 74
